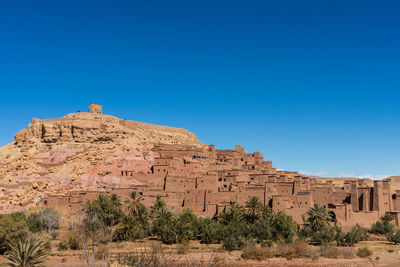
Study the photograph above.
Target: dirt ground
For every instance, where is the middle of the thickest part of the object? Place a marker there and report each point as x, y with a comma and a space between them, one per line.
384, 254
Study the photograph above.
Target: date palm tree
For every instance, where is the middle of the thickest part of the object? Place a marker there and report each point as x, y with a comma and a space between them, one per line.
116, 200
164, 216
254, 208
133, 205
319, 217
143, 214
235, 214
159, 203
387, 218
27, 253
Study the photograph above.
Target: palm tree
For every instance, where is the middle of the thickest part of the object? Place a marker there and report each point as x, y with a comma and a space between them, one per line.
319, 217
267, 212
132, 205
164, 216
235, 214
159, 203
27, 253
387, 218
254, 208
116, 200
142, 214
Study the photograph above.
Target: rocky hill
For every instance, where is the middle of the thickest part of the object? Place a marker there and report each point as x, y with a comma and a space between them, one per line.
77, 152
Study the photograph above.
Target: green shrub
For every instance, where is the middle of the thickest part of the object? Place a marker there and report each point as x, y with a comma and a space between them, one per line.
231, 243
261, 230
168, 235
283, 227
107, 209
27, 252
209, 231
364, 252
34, 223
326, 234
185, 226
355, 235
384, 225
382, 228
13, 227
127, 229
394, 236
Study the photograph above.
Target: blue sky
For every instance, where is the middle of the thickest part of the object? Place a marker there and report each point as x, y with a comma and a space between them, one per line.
313, 85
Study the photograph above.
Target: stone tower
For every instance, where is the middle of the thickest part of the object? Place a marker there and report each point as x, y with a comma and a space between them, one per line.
95, 108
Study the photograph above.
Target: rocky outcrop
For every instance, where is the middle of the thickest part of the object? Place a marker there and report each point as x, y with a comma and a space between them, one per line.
95, 128
80, 151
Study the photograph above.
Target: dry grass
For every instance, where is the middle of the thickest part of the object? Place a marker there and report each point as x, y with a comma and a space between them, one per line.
297, 249
364, 252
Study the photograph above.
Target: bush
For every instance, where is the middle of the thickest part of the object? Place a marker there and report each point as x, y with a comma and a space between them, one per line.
364, 252
384, 225
209, 231
105, 208
356, 234
382, 228
347, 253
296, 249
283, 227
13, 227
254, 252
34, 223
301, 249
185, 226
168, 235
394, 236
127, 229
70, 240
329, 251
231, 243
261, 230
325, 235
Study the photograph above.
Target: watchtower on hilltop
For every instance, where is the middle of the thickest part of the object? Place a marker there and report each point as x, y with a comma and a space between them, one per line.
95, 108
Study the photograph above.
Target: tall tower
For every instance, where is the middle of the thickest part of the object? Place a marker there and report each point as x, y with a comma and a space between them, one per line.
354, 196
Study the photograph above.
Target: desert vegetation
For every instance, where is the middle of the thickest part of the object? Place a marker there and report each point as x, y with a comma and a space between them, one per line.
253, 228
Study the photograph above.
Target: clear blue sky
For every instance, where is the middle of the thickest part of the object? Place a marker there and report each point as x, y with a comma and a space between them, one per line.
313, 85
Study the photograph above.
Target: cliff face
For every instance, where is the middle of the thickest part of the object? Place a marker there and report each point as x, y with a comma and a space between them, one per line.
80, 151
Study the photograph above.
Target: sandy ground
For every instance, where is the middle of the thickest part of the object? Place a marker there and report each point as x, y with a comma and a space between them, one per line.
384, 254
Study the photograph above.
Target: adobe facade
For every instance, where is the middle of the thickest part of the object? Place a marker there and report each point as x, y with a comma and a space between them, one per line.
207, 180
